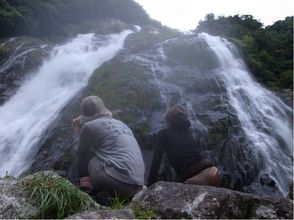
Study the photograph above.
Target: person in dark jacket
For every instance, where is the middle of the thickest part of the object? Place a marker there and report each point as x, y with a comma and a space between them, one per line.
181, 151
109, 157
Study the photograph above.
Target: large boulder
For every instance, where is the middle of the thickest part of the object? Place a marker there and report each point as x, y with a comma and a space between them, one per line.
176, 200
14, 201
42, 195
105, 214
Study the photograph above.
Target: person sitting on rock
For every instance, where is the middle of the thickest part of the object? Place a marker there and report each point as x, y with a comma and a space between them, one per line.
181, 151
109, 158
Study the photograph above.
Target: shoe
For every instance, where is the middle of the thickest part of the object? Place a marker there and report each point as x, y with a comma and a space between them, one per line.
103, 198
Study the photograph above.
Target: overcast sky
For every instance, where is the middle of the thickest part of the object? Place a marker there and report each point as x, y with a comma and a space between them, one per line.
185, 14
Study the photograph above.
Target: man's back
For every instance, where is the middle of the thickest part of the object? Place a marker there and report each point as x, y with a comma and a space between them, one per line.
114, 144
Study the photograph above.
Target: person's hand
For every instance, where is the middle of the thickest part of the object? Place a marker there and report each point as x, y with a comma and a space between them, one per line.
86, 184
76, 124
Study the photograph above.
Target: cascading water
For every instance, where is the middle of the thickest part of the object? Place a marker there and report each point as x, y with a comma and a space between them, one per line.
265, 119
161, 73
26, 116
242, 126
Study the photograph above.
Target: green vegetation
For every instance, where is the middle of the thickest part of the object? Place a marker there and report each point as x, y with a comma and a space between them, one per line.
46, 18
139, 211
122, 88
142, 213
129, 90
149, 36
119, 202
268, 51
55, 196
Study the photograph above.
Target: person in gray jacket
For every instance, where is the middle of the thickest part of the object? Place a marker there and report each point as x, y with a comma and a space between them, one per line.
109, 157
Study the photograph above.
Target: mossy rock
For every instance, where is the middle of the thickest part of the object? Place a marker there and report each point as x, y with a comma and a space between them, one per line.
126, 90
149, 36
196, 55
3, 53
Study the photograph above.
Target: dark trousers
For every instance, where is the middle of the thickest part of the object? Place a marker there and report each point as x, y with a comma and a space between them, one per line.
83, 161
101, 181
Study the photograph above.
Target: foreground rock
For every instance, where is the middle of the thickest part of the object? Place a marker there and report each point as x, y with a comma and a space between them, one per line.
26, 197
14, 201
175, 200
105, 214
163, 200
17, 202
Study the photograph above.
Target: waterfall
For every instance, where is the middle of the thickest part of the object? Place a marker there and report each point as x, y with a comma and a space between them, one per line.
26, 116
265, 119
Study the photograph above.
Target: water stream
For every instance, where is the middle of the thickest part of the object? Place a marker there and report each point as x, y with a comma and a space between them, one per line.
26, 115
203, 70
265, 119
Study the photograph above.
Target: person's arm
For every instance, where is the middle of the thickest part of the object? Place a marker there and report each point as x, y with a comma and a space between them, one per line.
83, 151
156, 161
76, 124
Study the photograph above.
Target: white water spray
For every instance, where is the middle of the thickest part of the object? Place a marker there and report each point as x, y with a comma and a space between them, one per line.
26, 116
265, 119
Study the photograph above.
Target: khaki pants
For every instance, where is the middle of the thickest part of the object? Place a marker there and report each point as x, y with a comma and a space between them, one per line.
209, 177
103, 182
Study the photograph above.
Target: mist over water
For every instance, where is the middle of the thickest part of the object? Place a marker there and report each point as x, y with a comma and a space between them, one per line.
26, 116
265, 119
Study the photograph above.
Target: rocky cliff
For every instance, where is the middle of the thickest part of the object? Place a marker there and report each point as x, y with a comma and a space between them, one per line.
156, 68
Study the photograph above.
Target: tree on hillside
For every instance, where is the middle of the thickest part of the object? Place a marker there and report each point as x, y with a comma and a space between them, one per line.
53, 17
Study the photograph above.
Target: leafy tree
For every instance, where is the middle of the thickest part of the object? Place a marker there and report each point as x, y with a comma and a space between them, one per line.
45, 18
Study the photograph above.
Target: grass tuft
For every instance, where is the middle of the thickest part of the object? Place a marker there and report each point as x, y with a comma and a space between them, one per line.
55, 196
141, 213
119, 202
8, 176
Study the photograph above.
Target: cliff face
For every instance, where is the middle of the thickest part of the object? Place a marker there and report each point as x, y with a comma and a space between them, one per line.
157, 67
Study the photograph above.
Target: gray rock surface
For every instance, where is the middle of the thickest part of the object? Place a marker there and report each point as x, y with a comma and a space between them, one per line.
157, 68
176, 200
104, 214
14, 202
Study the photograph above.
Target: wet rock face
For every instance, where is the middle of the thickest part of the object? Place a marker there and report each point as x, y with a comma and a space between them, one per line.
176, 200
287, 96
165, 71
19, 57
290, 195
190, 52
156, 69
14, 202
58, 144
